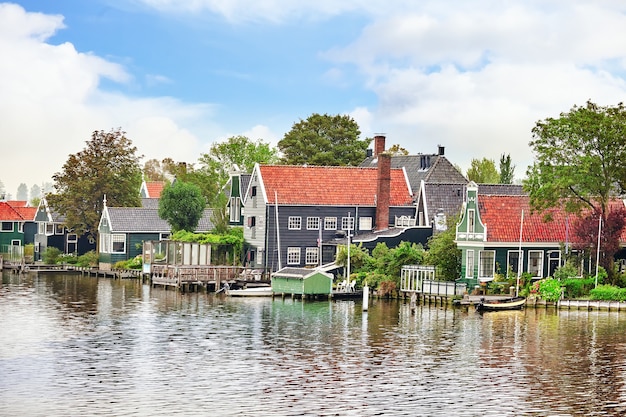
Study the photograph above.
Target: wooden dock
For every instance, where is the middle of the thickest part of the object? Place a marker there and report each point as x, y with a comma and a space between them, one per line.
195, 278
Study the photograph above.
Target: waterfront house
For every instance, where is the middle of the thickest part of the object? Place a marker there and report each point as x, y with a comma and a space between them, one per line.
17, 227
234, 189
52, 232
491, 233
302, 281
292, 214
122, 230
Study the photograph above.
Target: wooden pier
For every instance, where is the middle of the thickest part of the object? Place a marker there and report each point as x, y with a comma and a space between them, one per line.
195, 278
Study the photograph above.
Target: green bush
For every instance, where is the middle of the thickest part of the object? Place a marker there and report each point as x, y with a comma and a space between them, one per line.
51, 255
88, 259
608, 293
578, 287
68, 258
550, 289
135, 263
566, 271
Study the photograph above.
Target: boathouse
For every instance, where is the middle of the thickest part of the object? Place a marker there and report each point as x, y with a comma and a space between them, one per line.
302, 281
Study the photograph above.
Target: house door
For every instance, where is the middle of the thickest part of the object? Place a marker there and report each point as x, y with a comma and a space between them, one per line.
554, 261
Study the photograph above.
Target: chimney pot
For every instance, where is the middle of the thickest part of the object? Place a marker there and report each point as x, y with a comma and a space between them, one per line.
379, 144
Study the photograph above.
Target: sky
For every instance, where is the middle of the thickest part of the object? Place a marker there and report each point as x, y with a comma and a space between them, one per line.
177, 76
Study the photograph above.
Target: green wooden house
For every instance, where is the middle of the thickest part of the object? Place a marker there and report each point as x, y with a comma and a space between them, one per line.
302, 281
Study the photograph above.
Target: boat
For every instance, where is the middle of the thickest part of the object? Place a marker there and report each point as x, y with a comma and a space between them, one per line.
251, 292
513, 303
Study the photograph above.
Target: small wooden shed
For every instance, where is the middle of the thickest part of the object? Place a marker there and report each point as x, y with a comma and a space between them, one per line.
302, 281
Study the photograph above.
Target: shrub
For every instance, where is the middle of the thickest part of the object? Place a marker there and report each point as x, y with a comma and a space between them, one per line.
609, 293
566, 271
51, 255
550, 289
386, 288
88, 259
578, 287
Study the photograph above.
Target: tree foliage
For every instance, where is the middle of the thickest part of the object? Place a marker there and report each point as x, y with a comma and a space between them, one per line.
443, 252
22, 192
182, 205
107, 166
507, 169
324, 140
236, 151
579, 160
483, 171
397, 150
153, 170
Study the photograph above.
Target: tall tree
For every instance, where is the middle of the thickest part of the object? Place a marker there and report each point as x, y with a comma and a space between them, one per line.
444, 253
22, 192
182, 205
579, 161
483, 171
2, 190
507, 169
239, 151
153, 170
107, 166
324, 140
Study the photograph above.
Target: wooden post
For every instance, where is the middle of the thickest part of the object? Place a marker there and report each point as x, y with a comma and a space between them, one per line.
366, 293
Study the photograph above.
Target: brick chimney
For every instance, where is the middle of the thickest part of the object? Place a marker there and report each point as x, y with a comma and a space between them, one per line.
379, 144
383, 191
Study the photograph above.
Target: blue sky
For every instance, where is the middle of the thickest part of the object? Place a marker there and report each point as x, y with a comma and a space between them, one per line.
178, 75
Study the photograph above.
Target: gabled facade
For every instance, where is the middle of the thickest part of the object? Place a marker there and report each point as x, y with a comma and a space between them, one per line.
17, 226
122, 231
51, 232
151, 189
290, 211
493, 230
235, 188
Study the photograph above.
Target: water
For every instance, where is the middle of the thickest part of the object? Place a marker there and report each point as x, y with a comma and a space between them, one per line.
81, 346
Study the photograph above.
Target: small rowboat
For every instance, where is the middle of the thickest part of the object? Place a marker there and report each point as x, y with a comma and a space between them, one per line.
514, 303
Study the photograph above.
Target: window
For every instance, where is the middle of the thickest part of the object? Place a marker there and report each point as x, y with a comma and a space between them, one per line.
295, 223
72, 238
251, 221
234, 212
535, 263
469, 264
118, 243
293, 256
470, 221
7, 226
49, 229
365, 223
347, 223
312, 256
513, 261
312, 223
486, 263
58, 229
105, 243
41, 228
16, 242
253, 191
164, 236
20, 227
330, 223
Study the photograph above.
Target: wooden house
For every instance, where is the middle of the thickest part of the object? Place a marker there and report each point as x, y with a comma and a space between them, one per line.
122, 230
152, 189
302, 281
235, 189
17, 227
292, 212
52, 232
492, 236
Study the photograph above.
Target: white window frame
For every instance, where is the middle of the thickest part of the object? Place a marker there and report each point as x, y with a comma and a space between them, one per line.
347, 223
517, 265
293, 256
234, 212
312, 223
483, 267
312, 256
164, 236
294, 223
59, 229
6, 230
469, 263
49, 229
72, 238
531, 267
105, 242
330, 223
118, 238
365, 223
471, 221
41, 228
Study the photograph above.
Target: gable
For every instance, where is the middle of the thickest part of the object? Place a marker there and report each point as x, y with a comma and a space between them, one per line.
315, 185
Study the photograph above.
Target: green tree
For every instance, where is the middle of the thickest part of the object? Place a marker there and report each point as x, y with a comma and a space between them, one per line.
397, 150
236, 151
153, 170
324, 140
35, 194
443, 252
579, 161
483, 171
182, 205
107, 167
507, 170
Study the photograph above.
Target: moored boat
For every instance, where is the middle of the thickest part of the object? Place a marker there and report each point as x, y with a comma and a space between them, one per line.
251, 292
513, 303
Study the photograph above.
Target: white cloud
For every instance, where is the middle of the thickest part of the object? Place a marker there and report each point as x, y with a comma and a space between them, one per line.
51, 103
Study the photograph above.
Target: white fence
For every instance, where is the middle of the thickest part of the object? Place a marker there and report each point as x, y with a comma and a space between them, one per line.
421, 279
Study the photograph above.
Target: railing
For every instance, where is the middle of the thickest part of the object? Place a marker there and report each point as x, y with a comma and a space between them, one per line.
445, 288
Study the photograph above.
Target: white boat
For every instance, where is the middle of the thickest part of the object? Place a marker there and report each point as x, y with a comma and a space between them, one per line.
251, 292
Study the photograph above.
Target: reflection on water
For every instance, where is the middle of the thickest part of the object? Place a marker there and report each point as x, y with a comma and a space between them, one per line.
75, 345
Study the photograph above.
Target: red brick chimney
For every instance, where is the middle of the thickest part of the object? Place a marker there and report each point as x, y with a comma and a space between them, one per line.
383, 191
379, 144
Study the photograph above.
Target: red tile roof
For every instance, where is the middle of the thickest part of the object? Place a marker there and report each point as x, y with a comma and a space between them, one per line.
17, 203
8, 213
154, 188
315, 185
27, 213
502, 215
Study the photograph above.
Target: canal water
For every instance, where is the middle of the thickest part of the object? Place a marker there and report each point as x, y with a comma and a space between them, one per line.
84, 346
